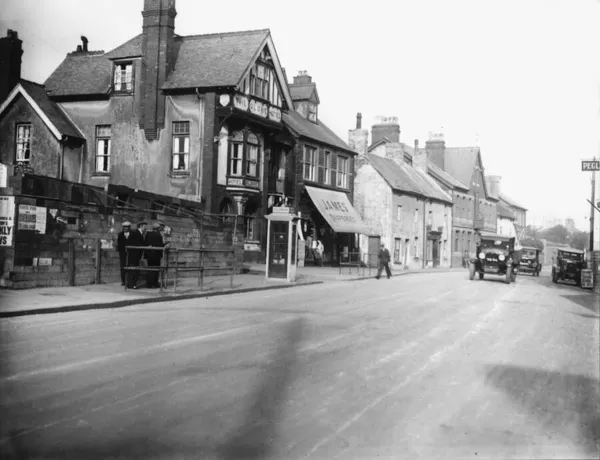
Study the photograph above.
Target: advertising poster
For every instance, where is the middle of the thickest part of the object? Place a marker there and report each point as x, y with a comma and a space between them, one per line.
26, 217
7, 220
40, 219
3, 176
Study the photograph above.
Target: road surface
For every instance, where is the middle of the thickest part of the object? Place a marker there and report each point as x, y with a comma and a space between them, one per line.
420, 366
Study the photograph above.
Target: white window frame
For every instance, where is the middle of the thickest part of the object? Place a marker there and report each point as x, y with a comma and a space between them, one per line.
23, 142
309, 163
343, 170
103, 146
123, 77
181, 146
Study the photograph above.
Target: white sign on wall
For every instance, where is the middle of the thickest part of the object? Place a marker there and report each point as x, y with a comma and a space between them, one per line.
3, 176
7, 220
32, 218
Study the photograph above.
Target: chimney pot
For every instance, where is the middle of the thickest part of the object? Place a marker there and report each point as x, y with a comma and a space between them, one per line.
358, 120
85, 44
79, 49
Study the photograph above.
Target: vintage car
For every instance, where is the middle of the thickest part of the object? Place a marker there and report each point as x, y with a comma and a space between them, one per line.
568, 265
530, 261
496, 255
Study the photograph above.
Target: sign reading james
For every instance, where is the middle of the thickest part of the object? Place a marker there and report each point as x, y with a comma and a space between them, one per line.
7, 220
337, 210
590, 165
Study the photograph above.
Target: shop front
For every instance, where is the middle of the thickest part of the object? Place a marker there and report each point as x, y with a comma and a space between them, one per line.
328, 217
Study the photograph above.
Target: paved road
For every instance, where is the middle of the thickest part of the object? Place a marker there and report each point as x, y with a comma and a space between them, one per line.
424, 366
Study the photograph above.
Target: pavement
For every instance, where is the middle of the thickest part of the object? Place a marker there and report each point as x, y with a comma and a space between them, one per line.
112, 295
433, 366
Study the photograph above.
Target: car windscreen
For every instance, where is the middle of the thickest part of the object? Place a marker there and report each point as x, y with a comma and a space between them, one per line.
495, 245
529, 253
571, 256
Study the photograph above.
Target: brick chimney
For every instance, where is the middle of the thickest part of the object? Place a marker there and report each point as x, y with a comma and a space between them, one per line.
385, 127
358, 139
11, 50
492, 184
157, 60
436, 148
420, 158
303, 78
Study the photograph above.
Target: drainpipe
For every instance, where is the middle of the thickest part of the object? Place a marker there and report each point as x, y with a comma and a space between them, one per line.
424, 257
61, 166
199, 169
81, 162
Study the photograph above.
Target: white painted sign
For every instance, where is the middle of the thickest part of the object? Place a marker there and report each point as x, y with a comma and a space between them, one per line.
3, 176
7, 220
240, 102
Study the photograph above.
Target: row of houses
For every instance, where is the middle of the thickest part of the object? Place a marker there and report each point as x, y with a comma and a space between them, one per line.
212, 122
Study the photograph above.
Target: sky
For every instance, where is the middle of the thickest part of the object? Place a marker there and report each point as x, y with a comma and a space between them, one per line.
518, 78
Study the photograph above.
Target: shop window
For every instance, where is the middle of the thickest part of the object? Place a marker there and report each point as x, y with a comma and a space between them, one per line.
123, 78
181, 146
103, 135
23, 147
309, 163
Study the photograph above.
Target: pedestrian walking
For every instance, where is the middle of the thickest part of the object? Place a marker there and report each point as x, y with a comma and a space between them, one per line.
318, 253
135, 255
122, 242
384, 261
154, 257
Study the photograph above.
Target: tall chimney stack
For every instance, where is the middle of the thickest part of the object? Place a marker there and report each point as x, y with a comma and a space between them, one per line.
436, 149
358, 139
157, 59
11, 50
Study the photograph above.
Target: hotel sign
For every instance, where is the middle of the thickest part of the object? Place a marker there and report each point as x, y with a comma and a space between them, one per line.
275, 114
240, 102
239, 182
258, 108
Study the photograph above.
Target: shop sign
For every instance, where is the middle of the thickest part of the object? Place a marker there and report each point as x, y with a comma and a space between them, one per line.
258, 108
7, 220
275, 114
240, 102
283, 209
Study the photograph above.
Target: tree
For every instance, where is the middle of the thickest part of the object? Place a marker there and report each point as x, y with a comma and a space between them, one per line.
532, 242
579, 240
556, 234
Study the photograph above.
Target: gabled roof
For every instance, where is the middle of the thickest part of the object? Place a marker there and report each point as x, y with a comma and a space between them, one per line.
304, 92
441, 175
51, 113
81, 74
504, 211
202, 61
129, 49
459, 162
510, 201
317, 131
404, 178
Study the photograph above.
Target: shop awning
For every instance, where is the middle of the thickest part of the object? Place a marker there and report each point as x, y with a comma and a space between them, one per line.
336, 209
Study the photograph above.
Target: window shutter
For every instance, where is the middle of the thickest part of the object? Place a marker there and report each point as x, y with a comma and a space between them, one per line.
117, 78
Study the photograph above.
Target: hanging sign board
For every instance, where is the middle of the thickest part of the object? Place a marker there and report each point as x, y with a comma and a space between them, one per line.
7, 220
590, 165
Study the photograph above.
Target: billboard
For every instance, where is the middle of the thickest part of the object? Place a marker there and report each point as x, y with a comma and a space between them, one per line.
7, 220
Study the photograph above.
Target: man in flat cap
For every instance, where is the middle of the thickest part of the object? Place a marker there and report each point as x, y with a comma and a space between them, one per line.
122, 241
154, 239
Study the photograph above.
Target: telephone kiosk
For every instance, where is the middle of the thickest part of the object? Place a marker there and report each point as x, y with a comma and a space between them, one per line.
282, 243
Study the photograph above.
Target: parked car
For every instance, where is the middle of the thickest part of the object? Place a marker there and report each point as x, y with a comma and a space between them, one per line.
530, 261
496, 256
568, 265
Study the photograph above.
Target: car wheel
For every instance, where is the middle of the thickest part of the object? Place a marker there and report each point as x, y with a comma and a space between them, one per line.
471, 271
481, 275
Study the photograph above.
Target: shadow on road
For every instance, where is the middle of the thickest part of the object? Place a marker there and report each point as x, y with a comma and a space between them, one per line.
585, 300
560, 402
252, 439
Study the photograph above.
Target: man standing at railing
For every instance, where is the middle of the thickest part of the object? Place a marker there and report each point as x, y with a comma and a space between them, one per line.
135, 255
384, 261
122, 242
154, 239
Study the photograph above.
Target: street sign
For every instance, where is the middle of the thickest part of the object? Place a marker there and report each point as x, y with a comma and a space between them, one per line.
590, 165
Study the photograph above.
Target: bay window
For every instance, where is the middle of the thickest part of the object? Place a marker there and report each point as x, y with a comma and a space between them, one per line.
244, 154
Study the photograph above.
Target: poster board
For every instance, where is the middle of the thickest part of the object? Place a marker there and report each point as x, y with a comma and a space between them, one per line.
7, 220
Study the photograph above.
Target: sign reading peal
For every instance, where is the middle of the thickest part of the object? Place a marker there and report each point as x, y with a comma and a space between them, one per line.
590, 165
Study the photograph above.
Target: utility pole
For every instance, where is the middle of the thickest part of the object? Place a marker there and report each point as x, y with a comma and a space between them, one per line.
592, 209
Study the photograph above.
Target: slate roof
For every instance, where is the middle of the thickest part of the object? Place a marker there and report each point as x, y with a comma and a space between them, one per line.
81, 74
51, 109
511, 202
214, 59
504, 211
405, 178
316, 131
203, 61
459, 163
441, 175
129, 49
302, 92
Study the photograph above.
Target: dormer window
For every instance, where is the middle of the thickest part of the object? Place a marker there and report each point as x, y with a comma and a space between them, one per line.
123, 78
312, 112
